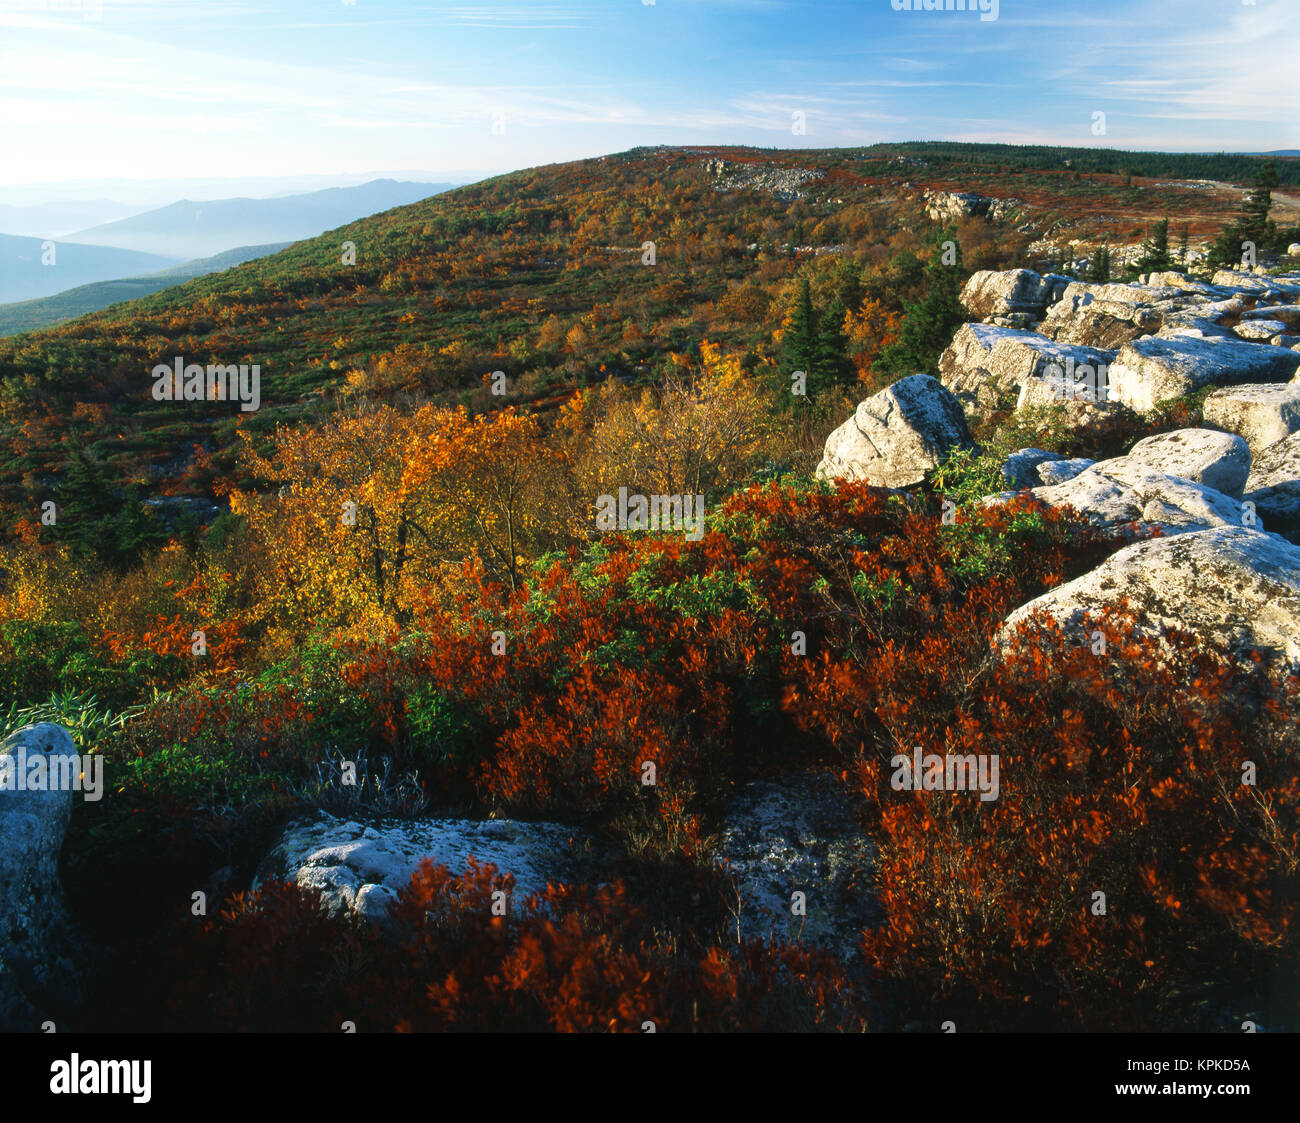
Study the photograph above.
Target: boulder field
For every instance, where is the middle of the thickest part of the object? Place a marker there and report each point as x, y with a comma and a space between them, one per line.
1222, 500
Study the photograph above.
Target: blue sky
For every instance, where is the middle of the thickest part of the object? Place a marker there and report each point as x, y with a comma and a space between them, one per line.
92, 89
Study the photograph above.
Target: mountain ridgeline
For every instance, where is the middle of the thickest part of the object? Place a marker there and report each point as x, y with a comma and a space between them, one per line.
191, 229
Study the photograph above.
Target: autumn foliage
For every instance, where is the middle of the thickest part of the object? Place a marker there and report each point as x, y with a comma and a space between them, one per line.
567, 960
1121, 775
400, 568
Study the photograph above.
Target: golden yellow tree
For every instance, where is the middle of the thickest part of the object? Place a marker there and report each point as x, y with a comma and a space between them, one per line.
699, 433
375, 505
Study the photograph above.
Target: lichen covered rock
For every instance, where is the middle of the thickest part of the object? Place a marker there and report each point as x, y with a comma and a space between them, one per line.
39, 953
896, 436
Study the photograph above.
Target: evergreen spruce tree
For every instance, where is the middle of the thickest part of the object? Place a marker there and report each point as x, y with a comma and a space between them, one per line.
930, 321
1255, 224
830, 362
1099, 265
97, 520
815, 343
800, 339
1155, 250
1252, 224
848, 286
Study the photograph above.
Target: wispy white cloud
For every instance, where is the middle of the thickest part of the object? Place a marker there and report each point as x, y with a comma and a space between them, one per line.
308, 84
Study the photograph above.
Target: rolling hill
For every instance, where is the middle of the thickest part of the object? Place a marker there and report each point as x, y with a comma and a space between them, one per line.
543, 274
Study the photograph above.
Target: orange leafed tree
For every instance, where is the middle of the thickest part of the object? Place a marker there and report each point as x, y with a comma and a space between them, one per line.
868, 329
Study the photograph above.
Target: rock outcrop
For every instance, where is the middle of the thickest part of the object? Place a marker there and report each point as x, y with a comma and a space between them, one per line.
798, 835
1204, 456
1097, 324
1264, 286
1116, 493
1274, 486
359, 868
40, 957
987, 362
949, 206
781, 183
1155, 368
990, 293
1110, 315
896, 436
1238, 588
1262, 415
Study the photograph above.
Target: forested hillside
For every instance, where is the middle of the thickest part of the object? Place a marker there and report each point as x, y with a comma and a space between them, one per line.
537, 274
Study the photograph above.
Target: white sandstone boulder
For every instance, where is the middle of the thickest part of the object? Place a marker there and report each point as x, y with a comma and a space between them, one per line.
1155, 369
1238, 588
359, 868
1262, 415
896, 436
1204, 456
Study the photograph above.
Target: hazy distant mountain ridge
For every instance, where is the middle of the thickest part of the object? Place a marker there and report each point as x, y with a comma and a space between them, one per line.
49, 311
25, 274
56, 219
195, 229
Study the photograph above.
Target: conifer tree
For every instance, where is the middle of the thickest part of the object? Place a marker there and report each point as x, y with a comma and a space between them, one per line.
1252, 224
1155, 250
848, 286
800, 338
930, 321
97, 520
831, 363
1255, 224
1099, 265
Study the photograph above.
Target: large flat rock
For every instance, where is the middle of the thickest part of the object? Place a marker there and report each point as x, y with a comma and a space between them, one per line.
800, 834
1261, 285
360, 867
1238, 588
1154, 369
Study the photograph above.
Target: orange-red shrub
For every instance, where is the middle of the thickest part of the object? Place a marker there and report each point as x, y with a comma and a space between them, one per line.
568, 959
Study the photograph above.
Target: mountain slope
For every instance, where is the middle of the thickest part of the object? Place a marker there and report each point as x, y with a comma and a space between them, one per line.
543, 275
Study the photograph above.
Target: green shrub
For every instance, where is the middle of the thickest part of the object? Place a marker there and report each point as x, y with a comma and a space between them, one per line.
40, 658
